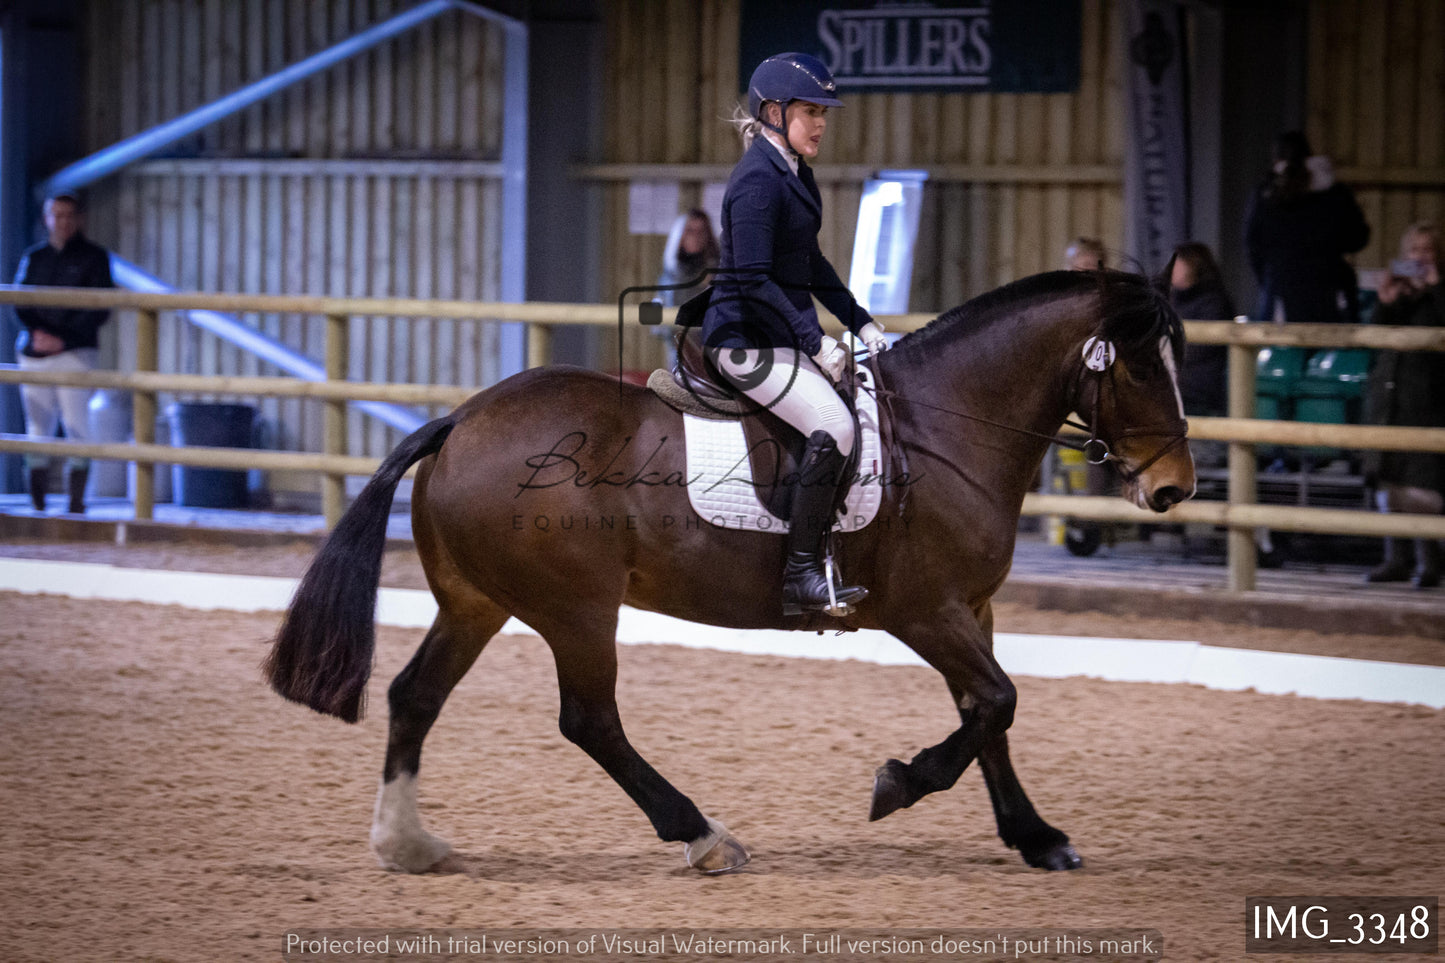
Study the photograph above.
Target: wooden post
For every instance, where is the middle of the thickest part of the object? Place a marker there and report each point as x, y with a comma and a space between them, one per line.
539, 344
143, 412
1242, 361
333, 486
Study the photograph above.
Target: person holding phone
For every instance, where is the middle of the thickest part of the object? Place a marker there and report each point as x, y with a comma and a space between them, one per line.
1408, 388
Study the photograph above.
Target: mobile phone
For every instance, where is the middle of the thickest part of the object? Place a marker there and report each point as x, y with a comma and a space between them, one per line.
1403, 268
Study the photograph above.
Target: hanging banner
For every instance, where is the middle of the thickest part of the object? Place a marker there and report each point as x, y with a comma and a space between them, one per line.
1007, 46
1156, 166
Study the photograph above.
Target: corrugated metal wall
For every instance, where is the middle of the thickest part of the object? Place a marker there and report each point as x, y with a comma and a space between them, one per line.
377, 177
1377, 106
1042, 168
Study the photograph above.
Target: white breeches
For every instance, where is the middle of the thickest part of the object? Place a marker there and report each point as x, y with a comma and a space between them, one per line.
789, 385
49, 406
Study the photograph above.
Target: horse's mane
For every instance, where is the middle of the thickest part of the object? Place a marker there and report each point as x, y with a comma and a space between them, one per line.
1135, 313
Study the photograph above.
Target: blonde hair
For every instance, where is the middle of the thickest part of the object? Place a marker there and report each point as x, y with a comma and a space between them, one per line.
747, 126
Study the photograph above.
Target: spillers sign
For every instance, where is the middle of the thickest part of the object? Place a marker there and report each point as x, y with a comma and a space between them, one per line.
1014, 46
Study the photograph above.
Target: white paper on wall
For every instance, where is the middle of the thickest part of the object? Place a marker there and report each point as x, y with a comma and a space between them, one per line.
651, 206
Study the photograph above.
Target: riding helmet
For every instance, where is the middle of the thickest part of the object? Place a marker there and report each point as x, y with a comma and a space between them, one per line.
786, 77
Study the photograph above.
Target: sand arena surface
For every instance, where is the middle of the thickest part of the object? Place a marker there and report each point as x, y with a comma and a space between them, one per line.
163, 804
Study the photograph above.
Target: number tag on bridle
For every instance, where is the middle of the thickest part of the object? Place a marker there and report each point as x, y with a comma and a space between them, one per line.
1098, 354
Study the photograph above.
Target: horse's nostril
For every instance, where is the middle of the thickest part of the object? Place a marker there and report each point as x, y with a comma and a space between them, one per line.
1169, 496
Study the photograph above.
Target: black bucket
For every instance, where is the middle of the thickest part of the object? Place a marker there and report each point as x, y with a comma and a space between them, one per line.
210, 426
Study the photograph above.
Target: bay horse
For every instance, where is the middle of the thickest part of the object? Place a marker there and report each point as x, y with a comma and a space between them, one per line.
976, 395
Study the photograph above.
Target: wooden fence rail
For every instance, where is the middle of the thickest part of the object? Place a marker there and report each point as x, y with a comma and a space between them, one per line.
1241, 514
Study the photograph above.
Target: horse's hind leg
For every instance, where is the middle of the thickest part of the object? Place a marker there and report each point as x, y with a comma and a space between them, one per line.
415, 699
1019, 825
587, 678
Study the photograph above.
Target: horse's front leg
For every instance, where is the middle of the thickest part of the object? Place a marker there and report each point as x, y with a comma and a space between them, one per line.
1019, 825
952, 640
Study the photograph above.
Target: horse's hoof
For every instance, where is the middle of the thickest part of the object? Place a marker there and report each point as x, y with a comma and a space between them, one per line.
728, 856
1058, 857
890, 790
716, 852
421, 853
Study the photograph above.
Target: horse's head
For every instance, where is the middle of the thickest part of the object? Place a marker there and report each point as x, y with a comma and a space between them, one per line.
1123, 381
1128, 392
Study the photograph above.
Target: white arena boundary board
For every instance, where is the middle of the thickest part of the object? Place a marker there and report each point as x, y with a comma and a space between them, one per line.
1047, 656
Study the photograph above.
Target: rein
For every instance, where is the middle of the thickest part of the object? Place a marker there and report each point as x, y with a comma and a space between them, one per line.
1095, 450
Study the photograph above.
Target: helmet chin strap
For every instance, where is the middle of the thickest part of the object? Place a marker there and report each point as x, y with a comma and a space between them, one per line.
783, 130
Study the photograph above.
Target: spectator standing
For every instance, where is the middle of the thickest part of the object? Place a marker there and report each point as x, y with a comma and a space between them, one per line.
690, 253
1197, 292
1300, 226
60, 339
1408, 388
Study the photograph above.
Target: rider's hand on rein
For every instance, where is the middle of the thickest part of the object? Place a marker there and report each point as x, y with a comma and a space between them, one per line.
831, 358
871, 334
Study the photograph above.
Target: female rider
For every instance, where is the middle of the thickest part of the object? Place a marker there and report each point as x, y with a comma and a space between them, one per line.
761, 328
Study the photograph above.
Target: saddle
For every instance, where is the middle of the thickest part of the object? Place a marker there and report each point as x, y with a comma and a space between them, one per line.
775, 448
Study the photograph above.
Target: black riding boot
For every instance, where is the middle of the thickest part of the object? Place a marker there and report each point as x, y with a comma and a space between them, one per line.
805, 581
1395, 567
39, 485
1427, 563
75, 485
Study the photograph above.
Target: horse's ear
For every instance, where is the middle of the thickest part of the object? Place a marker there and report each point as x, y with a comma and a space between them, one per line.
1161, 281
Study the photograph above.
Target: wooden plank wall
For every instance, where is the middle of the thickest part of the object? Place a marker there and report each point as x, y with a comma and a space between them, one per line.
1376, 102
673, 76
277, 199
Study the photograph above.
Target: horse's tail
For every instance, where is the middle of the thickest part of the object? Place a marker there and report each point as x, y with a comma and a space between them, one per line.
322, 655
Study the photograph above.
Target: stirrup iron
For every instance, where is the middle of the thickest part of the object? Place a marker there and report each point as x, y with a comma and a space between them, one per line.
833, 609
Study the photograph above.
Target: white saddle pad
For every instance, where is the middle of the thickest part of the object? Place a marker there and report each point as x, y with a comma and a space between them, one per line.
720, 474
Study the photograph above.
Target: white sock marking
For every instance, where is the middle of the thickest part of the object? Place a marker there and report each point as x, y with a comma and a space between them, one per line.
397, 837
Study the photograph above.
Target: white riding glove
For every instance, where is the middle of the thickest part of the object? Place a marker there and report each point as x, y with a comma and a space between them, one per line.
871, 334
831, 358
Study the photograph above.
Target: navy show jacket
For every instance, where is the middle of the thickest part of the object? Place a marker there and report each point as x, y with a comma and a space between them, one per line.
771, 266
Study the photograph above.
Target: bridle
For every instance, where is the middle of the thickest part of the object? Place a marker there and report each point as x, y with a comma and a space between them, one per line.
1095, 450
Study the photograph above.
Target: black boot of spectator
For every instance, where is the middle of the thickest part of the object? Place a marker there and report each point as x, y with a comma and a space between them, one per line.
1427, 563
75, 483
39, 485
1395, 567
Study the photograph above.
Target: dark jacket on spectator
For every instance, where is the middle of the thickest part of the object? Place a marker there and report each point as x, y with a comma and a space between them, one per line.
1297, 247
1408, 388
1204, 382
80, 264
